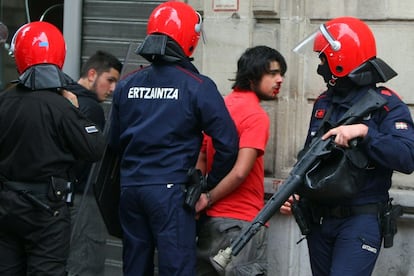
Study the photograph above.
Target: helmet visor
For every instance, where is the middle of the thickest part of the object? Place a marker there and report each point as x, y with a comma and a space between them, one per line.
4, 33
13, 43
200, 29
317, 41
305, 47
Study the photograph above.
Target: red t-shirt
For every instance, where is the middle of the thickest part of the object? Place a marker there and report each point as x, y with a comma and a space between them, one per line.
252, 124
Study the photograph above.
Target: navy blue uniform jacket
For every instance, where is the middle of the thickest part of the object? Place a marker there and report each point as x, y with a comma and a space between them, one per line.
389, 143
158, 116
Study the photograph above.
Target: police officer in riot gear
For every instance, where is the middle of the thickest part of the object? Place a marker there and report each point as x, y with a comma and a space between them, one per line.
42, 134
344, 236
158, 116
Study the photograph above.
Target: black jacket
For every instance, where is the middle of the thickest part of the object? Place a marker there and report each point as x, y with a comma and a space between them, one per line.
42, 135
90, 106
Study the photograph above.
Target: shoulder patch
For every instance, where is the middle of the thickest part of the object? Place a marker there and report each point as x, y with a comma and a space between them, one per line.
401, 125
320, 113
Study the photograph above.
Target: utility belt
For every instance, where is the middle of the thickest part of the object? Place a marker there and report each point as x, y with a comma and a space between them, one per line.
57, 190
341, 212
307, 214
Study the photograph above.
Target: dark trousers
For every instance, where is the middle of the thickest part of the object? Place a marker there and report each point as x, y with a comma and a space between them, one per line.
87, 246
216, 234
32, 241
348, 246
154, 216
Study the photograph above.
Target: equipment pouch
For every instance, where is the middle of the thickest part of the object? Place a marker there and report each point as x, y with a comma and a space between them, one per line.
60, 190
337, 176
389, 223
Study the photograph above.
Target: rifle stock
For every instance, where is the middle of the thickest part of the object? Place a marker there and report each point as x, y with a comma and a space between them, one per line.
368, 103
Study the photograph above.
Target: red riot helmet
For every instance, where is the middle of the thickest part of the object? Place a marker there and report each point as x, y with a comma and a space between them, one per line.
347, 43
179, 21
38, 43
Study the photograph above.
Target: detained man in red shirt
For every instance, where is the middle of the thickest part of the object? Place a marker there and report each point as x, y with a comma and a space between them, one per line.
239, 196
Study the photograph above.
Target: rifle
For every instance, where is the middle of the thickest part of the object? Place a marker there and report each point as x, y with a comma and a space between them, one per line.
318, 148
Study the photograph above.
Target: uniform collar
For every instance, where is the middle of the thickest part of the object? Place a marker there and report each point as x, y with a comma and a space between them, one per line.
44, 76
